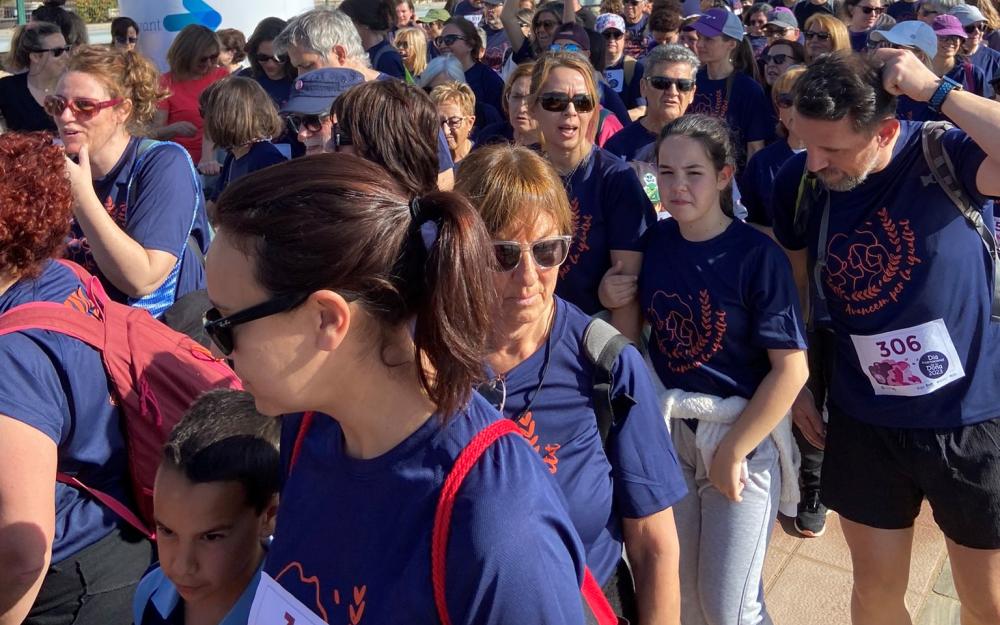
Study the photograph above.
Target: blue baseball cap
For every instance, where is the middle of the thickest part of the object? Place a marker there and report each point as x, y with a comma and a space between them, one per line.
313, 93
715, 22
912, 34
967, 14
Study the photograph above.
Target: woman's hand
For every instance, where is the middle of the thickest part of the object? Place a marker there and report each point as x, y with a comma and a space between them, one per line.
80, 178
210, 167
617, 289
726, 474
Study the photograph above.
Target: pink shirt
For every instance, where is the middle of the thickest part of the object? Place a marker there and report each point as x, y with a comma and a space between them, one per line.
182, 106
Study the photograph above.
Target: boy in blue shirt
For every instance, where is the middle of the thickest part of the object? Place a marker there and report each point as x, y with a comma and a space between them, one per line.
215, 499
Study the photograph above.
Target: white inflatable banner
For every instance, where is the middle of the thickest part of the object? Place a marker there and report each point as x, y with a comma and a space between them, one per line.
160, 20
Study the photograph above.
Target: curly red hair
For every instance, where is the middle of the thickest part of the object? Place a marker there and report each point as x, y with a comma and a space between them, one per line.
36, 203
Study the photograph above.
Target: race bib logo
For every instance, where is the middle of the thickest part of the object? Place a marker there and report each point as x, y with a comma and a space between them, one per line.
581, 232
687, 338
871, 267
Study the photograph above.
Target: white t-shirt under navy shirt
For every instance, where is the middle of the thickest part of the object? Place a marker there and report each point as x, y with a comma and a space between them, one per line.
57, 385
350, 528
549, 396
907, 284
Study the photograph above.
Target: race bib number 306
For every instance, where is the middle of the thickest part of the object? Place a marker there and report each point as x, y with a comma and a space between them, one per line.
909, 362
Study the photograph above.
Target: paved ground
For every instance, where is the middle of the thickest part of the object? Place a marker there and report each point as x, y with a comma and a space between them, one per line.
808, 581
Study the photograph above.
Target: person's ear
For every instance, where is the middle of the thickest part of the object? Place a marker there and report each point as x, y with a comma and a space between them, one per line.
268, 519
725, 177
340, 53
124, 110
887, 131
329, 318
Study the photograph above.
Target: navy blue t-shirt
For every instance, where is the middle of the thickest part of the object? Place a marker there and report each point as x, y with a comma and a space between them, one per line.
57, 385
262, 154
386, 59
549, 397
616, 79
715, 307
486, 84
497, 45
613, 103
611, 212
859, 41
499, 132
279, 90
757, 182
630, 140
637, 38
747, 110
902, 11
165, 195
987, 60
900, 255
964, 73
350, 528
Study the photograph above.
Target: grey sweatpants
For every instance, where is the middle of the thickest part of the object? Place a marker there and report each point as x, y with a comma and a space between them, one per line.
722, 543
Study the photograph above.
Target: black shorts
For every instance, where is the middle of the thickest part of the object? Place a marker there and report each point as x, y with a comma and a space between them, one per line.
879, 476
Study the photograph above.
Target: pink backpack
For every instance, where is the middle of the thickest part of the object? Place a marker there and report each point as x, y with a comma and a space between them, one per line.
155, 374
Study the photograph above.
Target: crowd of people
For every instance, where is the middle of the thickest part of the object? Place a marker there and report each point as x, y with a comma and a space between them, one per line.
705, 262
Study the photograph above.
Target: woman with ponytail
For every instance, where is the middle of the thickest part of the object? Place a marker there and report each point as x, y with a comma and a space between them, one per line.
376, 314
139, 215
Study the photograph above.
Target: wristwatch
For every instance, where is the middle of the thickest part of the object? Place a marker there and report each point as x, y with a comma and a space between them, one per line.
941, 94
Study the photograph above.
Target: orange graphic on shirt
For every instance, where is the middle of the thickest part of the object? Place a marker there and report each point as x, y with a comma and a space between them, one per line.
870, 268
686, 339
527, 425
581, 232
355, 608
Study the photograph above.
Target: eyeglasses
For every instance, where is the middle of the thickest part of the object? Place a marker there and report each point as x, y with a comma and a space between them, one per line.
758, 23
883, 43
951, 40
812, 34
452, 122
785, 100
220, 329
54, 105
312, 123
546, 24
211, 58
56, 52
547, 253
269, 58
495, 392
612, 34
775, 31
126, 40
565, 47
662, 83
870, 10
559, 102
978, 27
777, 59
448, 40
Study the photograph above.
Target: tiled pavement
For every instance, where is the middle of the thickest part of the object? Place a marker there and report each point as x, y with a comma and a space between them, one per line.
808, 581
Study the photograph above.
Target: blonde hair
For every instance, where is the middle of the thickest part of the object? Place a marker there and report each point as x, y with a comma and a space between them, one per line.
511, 187
238, 111
839, 37
416, 40
190, 44
570, 60
127, 75
989, 11
784, 84
456, 93
521, 71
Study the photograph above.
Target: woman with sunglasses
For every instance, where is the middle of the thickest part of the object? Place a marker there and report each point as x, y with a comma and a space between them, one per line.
42, 52
949, 60
975, 48
728, 346
861, 18
622, 73
611, 209
193, 59
140, 223
460, 39
620, 484
65, 558
411, 42
124, 33
275, 74
824, 34
755, 19
546, 19
777, 57
377, 315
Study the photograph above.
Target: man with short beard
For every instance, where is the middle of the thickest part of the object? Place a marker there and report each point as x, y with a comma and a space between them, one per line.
908, 288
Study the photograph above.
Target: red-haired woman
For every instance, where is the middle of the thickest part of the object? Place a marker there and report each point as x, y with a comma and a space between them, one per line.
65, 559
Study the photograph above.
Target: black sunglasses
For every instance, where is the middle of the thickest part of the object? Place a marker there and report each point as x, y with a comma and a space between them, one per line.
559, 102
662, 83
121, 40
312, 123
547, 253
447, 40
811, 34
777, 59
785, 100
266, 58
870, 10
220, 329
613, 34
978, 27
56, 52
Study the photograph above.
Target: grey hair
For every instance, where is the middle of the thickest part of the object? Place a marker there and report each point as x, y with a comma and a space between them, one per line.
319, 31
444, 64
668, 54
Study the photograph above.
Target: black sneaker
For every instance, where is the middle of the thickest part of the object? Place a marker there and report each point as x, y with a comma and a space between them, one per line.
811, 520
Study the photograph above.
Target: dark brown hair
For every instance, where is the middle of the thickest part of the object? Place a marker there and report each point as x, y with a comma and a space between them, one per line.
362, 239
267, 30
238, 111
378, 15
471, 35
232, 39
395, 125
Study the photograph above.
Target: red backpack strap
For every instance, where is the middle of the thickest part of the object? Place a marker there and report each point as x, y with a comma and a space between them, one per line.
55, 318
113, 504
446, 503
595, 601
300, 437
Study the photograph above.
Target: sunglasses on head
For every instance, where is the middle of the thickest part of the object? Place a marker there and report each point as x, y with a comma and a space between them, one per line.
312, 123
547, 253
662, 83
220, 329
269, 58
565, 47
54, 105
785, 100
120, 40
612, 34
777, 59
56, 52
448, 40
870, 10
558, 102
978, 27
812, 34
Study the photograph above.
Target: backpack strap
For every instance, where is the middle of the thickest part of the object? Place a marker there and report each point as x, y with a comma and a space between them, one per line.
300, 437
446, 504
943, 171
603, 344
110, 502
